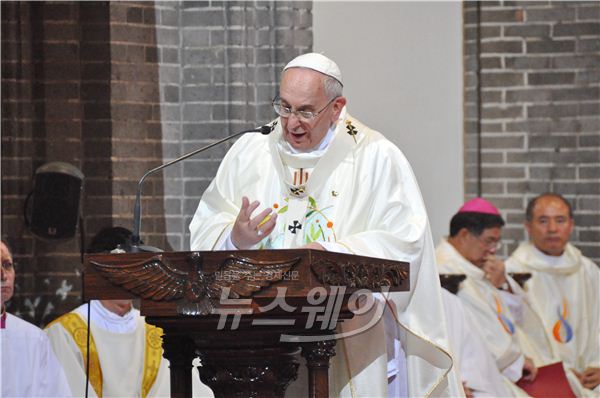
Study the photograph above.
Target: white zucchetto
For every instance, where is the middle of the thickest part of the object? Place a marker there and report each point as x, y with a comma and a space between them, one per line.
317, 62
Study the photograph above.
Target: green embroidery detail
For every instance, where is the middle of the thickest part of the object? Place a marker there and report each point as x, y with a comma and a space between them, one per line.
314, 216
317, 226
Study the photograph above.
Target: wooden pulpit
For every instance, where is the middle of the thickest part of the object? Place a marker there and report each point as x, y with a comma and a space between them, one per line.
246, 314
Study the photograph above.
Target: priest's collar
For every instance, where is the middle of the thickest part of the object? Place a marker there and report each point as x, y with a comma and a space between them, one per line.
294, 158
566, 263
110, 316
319, 150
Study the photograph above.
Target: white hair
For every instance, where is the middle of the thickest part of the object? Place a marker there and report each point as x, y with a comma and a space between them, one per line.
333, 88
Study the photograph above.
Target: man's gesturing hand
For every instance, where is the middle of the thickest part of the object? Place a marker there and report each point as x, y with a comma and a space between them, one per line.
494, 270
249, 231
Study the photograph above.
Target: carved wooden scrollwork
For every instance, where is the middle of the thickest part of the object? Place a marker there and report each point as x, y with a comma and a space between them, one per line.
156, 279
249, 373
359, 274
319, 353
259, 381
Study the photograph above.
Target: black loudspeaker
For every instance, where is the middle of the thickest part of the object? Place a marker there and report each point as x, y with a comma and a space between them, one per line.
56, 196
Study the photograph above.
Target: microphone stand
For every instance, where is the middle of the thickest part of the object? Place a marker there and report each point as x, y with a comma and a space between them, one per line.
137, 210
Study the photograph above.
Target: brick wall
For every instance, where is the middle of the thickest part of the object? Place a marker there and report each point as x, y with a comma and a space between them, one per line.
219, 70
136, 118
532, 110
52, 98
117, 88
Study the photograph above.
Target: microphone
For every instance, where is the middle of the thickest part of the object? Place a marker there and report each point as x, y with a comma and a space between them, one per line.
137, 210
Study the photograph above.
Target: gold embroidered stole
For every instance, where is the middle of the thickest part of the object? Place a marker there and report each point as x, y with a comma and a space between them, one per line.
152, 357
77, 328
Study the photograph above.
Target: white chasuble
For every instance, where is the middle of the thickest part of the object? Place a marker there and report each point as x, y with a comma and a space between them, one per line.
564, 289
361, 197
478, 368
507, 337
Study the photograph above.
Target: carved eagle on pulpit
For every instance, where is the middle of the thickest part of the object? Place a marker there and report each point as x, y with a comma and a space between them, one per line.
197, 291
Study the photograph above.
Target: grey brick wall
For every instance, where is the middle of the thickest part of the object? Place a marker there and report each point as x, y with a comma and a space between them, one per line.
532, 109
219, 66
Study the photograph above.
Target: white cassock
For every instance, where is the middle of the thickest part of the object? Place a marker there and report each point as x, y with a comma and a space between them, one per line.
356, 193
564, 289
126, 354
510, 326
477, 367
29, 366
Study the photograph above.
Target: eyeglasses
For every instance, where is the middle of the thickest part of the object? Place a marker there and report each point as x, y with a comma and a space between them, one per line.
306, 116
490, 243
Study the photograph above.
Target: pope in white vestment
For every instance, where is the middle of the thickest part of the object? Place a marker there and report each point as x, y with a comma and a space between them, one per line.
564, 286
125, 354
351, 190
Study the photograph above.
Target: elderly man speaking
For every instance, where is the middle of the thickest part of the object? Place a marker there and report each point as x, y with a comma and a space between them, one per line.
328, 182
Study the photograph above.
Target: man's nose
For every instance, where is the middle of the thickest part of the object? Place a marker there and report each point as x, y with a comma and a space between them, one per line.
293, 121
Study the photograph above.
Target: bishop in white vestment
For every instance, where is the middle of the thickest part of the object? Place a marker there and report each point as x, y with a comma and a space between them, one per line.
329, 182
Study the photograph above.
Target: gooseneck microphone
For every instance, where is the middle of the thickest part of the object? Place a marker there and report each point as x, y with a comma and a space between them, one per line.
137, 210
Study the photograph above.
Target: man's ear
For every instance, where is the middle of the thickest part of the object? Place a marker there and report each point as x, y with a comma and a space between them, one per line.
572, 225
463, 233
338, 105
527, 226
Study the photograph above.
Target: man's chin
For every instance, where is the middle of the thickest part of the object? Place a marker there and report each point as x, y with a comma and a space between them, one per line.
298, 141
301, 146
6, 295
553, 249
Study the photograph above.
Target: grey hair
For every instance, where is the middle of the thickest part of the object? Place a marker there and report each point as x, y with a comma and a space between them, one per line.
333, 88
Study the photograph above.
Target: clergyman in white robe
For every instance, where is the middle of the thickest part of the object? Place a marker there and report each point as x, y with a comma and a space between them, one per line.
564, 289
358, 195
477, 366
501, 316
126, 356
29, 366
